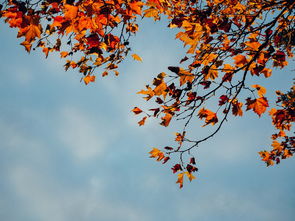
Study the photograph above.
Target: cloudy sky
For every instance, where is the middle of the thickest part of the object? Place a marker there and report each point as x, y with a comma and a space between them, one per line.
70, 152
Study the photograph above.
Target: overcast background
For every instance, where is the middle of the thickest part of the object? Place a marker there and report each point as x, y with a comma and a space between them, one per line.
75, 152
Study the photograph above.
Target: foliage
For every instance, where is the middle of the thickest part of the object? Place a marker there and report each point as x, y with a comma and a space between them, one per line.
227, 41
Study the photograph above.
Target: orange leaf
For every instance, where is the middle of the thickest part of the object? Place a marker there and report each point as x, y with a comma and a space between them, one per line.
142, 121
190, 176
27, 46
166, 120
30, 32
149, 92
237, 108
252, 45
210, 117
136, 57
260, 90
180, 179
136, 110
64, 54
240, 60
257, 105
156, 153
70, 11
89, 79
185, 76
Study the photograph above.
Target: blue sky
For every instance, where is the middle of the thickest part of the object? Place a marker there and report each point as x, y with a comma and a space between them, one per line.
75, 152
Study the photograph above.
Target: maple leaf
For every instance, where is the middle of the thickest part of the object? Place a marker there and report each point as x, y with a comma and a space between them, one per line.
136, 57
223, 100
180, 179
156, 153
149, 92
185, 76
260, 90
180, 137
30, 32
136, 110
166, 119
210, 117
151, 12
161, 89
27, 45
257, 105
88, 79
252, 45
177, 167
240, 60
190, 176
237, 108
71, 11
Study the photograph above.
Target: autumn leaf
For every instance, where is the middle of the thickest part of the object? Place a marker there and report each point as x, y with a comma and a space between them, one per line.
166, 120
260, 90
180, 179
156, 153
136, 110
257, 105
149, 92
240, 60
136, 57
190, 176
30, 32
64, 54
142, 121
210, 117
185, 76
27, 45
161, 89
88, 79
252, 45
237, 108
71, 11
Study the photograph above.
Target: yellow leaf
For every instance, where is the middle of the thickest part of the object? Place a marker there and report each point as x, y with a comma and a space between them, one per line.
212, 73
151, 12
89, 79
185, 76
154, 152
180, 179
190, 176
136, 57
260, 90
160, 89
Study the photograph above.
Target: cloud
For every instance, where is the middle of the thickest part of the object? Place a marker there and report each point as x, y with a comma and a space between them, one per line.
83, 135
46, 199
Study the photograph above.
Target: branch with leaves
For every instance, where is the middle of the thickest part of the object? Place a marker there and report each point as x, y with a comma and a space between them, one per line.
227, 41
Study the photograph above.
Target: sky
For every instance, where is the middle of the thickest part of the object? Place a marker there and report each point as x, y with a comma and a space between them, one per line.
70, 152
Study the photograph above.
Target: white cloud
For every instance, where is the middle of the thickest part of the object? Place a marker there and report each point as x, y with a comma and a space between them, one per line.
220, 204
85, 136
47, 200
